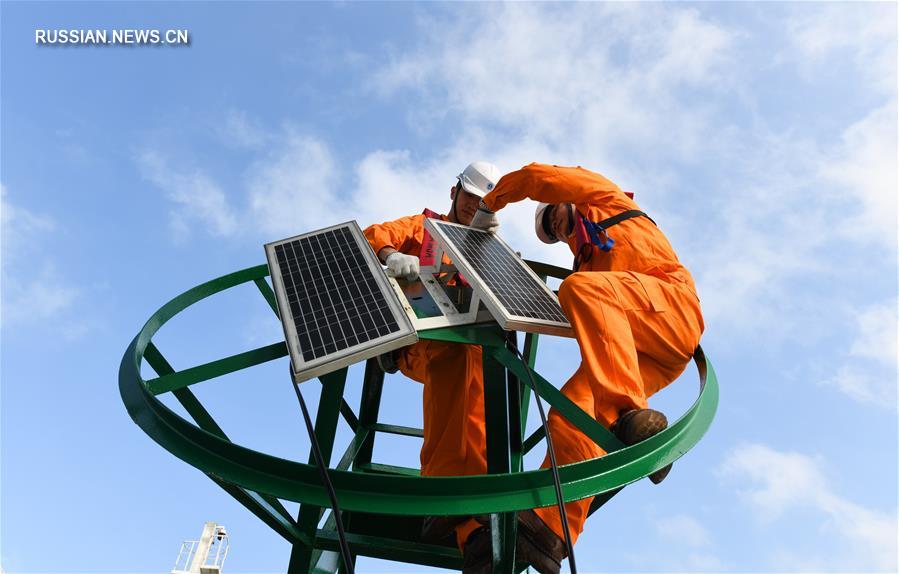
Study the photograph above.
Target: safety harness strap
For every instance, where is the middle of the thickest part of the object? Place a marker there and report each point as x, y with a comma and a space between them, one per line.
623, 216
591, 233
597, 228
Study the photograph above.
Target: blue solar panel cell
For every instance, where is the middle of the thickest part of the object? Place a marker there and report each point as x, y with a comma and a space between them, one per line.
334, 301
327, 283
522, 300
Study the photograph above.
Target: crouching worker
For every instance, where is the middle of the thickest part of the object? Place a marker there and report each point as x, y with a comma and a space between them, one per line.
634, 311
453, 394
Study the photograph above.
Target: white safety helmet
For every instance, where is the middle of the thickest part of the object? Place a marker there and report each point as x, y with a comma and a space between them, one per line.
479, 178
544, 228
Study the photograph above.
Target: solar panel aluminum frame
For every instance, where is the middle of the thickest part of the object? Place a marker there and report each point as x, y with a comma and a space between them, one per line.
302, 370
506, 320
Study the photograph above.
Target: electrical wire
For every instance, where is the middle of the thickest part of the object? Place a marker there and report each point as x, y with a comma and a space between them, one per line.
319, 461
552, 459
344, 547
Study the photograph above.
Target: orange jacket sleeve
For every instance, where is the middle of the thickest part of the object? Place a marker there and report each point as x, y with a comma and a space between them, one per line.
550, 184
404, 234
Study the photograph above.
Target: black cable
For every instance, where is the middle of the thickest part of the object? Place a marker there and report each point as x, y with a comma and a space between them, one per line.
319, 460
555, 468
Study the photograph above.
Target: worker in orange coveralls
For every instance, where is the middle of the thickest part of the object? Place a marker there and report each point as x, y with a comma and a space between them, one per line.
453, 397
634, 311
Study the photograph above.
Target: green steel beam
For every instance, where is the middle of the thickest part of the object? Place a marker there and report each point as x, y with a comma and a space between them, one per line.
200, 373
369, 406
501, 428
534, 439
325, 561
503, 532
267, 292
376, 468
187, 399
530, 355
584, 422
259, 505
395, 550
348, 415
545, 270
268, 506
517, 416
398, 430
387, 494
496, 418
352, 451
301, 558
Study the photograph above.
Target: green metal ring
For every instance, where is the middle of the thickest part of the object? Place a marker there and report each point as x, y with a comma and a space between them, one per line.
299, 482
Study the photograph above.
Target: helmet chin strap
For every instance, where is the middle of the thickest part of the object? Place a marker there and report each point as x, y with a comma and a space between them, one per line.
454, 211
570, 211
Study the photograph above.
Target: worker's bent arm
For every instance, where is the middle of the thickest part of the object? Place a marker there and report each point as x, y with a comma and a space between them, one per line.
390, 236
550, 184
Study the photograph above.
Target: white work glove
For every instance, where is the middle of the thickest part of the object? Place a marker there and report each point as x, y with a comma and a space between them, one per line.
485, 219
402, 265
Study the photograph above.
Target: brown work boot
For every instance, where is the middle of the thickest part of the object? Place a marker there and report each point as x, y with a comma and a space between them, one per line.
638, 425
478, 552
537, 545
436, 529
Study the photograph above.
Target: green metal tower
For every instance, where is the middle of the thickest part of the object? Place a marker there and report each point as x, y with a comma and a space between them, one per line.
383, 505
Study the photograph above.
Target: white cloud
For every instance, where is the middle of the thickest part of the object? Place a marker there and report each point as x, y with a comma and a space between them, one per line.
32, 288
238, 129
868, 372
533, 82
865, 385
18, 226
863, 168
197, 198
682, 529
36, 297
877, 339
389, 184
541, 71
683, 545
639, 102
866, 32
777, 483
297, 187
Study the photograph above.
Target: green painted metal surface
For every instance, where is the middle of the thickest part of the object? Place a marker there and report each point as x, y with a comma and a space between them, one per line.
390, 496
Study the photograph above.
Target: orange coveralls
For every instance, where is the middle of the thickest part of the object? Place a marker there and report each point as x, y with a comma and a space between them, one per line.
453, 398
634, 312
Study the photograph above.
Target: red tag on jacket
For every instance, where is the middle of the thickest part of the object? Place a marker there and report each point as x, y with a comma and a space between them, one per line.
428, 245
584, 246
429, 249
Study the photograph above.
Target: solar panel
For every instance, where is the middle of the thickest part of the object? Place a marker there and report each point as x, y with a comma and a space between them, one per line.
513, 293
334, 300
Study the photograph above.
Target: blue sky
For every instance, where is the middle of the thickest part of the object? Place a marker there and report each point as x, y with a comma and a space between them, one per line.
761, 138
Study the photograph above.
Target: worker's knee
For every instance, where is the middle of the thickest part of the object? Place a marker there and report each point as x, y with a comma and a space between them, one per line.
581, 288
572, 288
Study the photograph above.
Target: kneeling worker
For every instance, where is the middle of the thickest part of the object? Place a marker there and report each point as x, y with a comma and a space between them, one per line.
453, 394
634, 311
